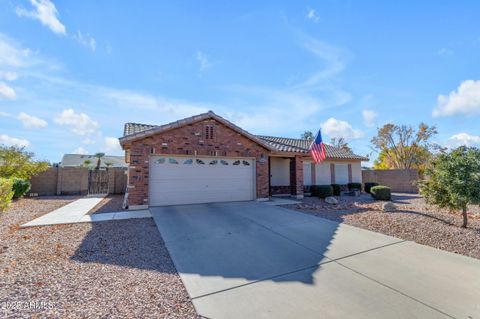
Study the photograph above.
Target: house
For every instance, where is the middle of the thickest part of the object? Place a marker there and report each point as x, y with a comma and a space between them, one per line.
77, 160
205, 158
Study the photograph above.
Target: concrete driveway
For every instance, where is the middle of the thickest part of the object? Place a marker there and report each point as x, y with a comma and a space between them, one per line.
252, 260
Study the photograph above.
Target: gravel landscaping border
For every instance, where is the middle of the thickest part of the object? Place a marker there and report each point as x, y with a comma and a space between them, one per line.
412, 220
114, 269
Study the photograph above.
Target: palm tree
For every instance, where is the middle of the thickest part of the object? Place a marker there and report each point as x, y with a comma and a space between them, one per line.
86, 163
99, 159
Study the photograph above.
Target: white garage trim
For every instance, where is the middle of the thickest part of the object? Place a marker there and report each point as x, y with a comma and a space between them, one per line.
175, 180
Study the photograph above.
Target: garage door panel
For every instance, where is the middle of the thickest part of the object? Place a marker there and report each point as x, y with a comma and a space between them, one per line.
182, 180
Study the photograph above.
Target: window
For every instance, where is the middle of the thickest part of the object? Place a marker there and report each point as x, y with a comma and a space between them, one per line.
224, 162
161, 160
188, 161
214, 162
236, 163
209, 132
172, 161
199, 161
246, 163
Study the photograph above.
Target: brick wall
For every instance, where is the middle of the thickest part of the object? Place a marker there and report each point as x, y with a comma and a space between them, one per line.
74, 181
191, 140
399, 180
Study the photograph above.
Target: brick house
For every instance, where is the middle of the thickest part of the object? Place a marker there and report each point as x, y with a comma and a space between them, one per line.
205, 158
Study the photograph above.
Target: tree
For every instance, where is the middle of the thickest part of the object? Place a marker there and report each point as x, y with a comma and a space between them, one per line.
99, 159
86, 163
16, 162
340, 143
401, 144
453, 180
421, 158
307, 135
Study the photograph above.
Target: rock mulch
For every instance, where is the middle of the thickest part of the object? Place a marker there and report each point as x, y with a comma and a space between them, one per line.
412, 219
110, 204
114, 269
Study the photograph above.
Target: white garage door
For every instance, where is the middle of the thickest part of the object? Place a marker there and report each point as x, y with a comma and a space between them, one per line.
188, 180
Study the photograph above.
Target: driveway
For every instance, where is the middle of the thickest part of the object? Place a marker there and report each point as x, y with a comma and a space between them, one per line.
252, 260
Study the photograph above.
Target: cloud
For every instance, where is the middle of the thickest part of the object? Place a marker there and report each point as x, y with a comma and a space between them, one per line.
6, 91
465, 100
80, 150
461, 139
333, 57
112, 144
8, 76
336, 128
30, 121
369, 118
312, 15
80, 123
86, 40
12, 141
45, 12
203, 62
88, 141
445, 52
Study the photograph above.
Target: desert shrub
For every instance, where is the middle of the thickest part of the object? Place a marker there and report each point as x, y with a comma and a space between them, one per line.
6, 193
324, 191
20, 187
381, 192
337, 188
354, 186
369, 185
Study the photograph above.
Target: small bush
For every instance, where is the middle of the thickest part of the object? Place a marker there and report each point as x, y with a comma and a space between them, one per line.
6, 193
368, 186
354, 186
20, 187
337, 188
324, 191
381, 192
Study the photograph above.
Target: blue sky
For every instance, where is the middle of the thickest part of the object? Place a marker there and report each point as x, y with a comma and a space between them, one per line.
73, 72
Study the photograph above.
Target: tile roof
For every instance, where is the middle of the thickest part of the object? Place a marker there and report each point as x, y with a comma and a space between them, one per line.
132, 128
135, 131
281, 144
297, 145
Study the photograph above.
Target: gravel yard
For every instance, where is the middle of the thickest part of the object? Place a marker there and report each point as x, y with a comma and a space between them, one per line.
110, 204
114, 269
412, 220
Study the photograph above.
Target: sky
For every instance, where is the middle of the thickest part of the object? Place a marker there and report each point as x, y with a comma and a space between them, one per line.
73, 72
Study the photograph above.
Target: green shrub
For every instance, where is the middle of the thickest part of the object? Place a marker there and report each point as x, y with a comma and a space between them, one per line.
6, 193
337, 188
381, 192
323, 191
354, 186
369, 185
20, 187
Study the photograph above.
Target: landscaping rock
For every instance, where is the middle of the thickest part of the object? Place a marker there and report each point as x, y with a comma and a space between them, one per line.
388, 207
331, 200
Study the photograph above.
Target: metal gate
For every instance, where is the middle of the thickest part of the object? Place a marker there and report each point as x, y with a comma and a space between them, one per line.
98, 181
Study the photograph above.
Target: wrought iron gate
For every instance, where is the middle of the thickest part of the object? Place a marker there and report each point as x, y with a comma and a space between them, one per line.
98, 181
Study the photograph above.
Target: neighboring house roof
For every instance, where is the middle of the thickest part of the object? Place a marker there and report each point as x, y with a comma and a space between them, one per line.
75, 160
297, 145
135, 131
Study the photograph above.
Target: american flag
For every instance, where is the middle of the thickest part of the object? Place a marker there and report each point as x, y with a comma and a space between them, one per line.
317, 149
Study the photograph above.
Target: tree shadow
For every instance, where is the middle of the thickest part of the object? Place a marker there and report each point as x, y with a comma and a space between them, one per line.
134, 243
243, 242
